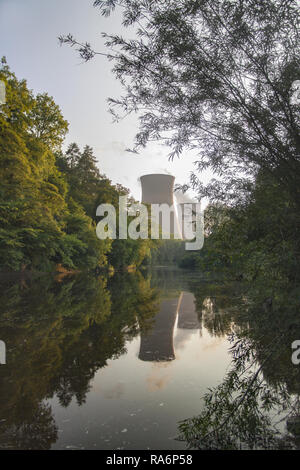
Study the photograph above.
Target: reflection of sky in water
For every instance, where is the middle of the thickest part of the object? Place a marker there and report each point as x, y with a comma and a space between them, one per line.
136, 404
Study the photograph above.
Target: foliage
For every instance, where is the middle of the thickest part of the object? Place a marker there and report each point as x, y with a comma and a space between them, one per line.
48, 198
255, 239
168, 252
215, 76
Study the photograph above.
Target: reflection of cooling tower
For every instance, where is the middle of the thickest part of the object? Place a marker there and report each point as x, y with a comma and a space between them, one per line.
187, 315
157, 344
159, 189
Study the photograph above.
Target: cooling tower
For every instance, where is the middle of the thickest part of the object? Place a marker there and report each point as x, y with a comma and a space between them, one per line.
159, 189
186, 209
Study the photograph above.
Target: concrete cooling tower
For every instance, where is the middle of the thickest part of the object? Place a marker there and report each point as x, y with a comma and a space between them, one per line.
159, 189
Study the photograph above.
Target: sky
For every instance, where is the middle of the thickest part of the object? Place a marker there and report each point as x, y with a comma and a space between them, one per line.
28, 38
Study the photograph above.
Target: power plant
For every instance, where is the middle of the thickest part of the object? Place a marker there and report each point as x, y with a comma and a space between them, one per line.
157, 344
159, 189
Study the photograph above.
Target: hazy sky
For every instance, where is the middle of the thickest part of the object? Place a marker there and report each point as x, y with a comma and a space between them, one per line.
28, 38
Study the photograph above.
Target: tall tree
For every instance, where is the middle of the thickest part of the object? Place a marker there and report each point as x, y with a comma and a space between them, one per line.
73, 155
215, 76
40, 225
46, 121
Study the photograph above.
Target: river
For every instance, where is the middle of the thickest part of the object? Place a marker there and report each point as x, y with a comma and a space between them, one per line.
111, 362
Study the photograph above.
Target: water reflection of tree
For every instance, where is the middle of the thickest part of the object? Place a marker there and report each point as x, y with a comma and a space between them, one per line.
216, 303
257, 405
37, 431
58, 334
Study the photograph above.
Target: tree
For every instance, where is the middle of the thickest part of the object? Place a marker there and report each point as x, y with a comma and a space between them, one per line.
215, 76
47, 122
40, 224
88, 188
73, 155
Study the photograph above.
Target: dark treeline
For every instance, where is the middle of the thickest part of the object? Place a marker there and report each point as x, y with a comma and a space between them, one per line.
48, 198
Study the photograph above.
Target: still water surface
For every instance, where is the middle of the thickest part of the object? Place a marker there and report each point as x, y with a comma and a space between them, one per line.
109, 363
